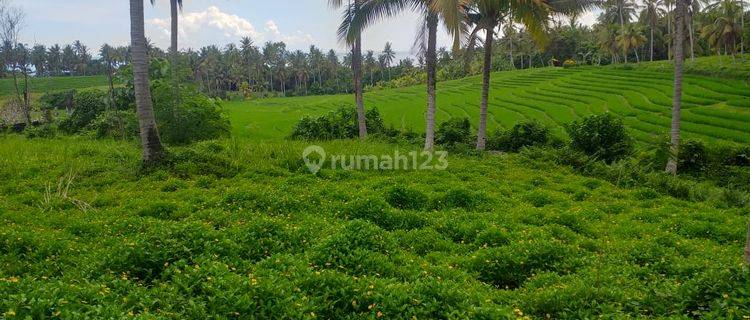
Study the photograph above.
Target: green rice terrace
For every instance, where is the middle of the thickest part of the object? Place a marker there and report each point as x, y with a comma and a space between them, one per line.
714, 109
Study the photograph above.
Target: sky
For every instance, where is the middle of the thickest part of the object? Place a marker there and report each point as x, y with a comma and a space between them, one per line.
299, 23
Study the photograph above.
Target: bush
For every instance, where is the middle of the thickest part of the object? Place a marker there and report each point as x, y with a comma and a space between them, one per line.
115, 124
60, 100
41, 131
569, 63
524, 134
693, 157
87, 104
339, 124
197, 118
454, 133
600, 136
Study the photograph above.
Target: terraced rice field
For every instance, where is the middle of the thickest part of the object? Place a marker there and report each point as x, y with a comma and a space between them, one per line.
714, 109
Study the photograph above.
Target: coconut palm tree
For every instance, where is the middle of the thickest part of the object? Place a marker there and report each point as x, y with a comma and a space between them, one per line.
388, 56
153, 151
631, 38
724, 31
432, 11
352, 10
652, 12
534, 15
679, 56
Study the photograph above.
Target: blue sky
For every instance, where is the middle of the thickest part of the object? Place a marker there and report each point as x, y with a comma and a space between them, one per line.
299, 23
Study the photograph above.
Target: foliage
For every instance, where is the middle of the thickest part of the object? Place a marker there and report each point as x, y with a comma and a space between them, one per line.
600, 136
87, 104
116, 124
267, 241
454, 133
338, 124
196, 118
524, 134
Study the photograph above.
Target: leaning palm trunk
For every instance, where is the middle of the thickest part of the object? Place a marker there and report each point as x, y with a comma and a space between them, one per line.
482, 132
150, 141
679, 57
432, 22
358, 96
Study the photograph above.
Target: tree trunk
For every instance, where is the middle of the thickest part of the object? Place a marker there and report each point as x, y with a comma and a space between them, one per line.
153, 150
652, 43
622, 31
637, 59
742, 27
26, 102
482, 132
690, 31
174, 56
431, 55
357, 69
677, 104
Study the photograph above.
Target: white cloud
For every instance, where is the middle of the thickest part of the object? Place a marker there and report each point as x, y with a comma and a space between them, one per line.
214, 26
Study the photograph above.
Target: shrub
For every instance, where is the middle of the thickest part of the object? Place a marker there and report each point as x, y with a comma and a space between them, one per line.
454, 132
41, 131
569, 63
196, 118
60, 100
600, 136
524, 134
692, 157
87, 104
406, 198
359, 248
115, 124
339, 124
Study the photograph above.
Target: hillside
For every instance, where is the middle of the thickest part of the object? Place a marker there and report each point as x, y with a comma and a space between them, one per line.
715, 109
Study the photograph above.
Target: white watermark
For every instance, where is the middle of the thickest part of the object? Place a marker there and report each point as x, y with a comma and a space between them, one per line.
316, 159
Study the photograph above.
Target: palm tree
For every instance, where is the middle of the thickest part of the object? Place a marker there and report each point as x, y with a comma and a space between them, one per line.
432, 11
631, 38
389, 55
153, 151
680, 12
651, 13
534, 15
353, 10
625, 10
724, 31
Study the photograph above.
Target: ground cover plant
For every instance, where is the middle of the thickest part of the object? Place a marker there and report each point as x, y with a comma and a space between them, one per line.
236, 229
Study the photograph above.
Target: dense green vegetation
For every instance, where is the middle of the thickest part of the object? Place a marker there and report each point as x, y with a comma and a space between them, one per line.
234, 229
714, 109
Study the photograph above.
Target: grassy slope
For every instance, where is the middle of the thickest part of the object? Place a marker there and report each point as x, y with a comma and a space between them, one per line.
274, 242
714, 109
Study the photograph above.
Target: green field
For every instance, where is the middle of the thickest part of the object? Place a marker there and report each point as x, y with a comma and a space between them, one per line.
49, 84
239, 229
714, 109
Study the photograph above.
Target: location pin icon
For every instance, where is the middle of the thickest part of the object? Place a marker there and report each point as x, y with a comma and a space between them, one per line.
314, 165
